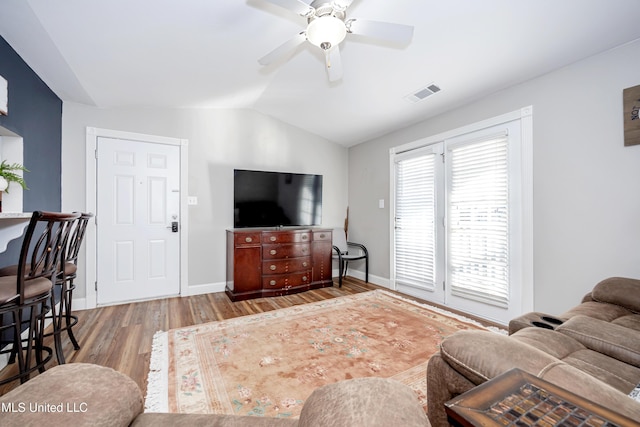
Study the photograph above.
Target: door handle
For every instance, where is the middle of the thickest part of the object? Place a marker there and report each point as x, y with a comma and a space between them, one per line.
174, 226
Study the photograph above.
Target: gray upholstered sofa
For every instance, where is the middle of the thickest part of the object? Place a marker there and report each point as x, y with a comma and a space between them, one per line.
592, 350
80, 394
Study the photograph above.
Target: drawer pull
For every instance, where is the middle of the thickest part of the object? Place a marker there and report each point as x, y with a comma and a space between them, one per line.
304, 264
305, 237
272, 267
272, 283
248, 239
322, 236
273, 252
304, 278
272, 238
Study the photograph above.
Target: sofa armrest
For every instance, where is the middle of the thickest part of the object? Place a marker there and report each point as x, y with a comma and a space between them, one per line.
74, 394
482, 355
604, 337
620, 291
443, 384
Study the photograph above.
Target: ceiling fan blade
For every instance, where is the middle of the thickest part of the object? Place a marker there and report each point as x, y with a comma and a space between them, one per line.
342, 4
334, 64
283, 49
297, 6
397, 33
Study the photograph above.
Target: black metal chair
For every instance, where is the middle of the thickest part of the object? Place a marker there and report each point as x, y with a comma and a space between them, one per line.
65, 280
345, 251
29, 291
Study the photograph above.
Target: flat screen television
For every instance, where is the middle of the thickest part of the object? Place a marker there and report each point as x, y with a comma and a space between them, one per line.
273, 199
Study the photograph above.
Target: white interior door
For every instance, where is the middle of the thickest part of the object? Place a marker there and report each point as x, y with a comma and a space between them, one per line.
138, 220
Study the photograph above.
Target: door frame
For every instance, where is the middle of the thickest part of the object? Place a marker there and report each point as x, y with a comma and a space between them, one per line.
92, 135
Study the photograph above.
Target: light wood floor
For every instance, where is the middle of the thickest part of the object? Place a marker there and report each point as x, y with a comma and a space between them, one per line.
120, 336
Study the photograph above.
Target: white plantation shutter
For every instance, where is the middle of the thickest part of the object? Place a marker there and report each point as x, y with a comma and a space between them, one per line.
478, 220
415, 221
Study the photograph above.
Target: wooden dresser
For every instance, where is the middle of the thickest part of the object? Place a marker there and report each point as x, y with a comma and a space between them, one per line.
272, 262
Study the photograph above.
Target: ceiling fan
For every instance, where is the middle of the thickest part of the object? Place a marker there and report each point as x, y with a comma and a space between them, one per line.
327, 27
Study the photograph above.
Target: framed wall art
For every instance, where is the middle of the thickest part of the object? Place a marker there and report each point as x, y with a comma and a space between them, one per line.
631, 107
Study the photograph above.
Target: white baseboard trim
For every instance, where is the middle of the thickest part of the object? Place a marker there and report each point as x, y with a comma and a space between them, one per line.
204, 288
207, 288
79, 304
376, 280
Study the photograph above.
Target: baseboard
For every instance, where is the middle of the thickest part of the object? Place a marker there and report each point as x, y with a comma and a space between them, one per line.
376, 280
79, 304
205, 288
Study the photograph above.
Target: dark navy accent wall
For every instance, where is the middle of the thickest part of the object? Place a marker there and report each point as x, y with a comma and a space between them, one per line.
35, 113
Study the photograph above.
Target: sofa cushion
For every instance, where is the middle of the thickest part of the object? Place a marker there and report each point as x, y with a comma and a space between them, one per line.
607, 338
597, 310
632, 321
583, 384
74, 394
619, 291
550, 342
617, 374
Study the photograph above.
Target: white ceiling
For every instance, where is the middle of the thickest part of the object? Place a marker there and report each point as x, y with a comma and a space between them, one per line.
203, 53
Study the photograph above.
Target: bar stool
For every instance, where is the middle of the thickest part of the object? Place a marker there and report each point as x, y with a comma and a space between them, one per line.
29, 291
65, 280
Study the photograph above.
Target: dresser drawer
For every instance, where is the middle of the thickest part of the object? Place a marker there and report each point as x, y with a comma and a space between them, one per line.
293, 250
286, 237
322, 235
244, 239
286, 280
289, 265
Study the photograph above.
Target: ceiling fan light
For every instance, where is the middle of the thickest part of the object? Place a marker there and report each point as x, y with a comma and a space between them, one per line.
326, 32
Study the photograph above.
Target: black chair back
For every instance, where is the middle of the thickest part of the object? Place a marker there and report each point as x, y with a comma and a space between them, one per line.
77, 236
43, 257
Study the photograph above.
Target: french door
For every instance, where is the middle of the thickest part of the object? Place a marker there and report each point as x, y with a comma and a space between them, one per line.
457, 231
418, 231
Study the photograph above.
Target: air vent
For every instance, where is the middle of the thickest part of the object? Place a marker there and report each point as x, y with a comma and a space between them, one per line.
423, 93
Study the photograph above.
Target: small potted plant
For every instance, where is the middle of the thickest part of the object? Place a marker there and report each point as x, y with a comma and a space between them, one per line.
8, 175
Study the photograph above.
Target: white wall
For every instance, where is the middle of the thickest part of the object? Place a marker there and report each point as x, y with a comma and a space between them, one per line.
586, 183
219, 141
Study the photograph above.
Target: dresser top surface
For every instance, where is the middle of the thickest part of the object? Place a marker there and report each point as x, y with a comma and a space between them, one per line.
274, 229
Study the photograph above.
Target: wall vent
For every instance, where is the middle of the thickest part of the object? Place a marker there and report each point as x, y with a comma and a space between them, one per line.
423, 93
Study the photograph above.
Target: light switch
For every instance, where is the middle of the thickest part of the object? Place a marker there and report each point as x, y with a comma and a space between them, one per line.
192, 200
381, 203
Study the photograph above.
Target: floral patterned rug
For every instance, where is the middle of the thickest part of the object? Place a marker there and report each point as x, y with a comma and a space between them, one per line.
269, 363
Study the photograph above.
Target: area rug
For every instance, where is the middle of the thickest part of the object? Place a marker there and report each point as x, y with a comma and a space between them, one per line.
267, 364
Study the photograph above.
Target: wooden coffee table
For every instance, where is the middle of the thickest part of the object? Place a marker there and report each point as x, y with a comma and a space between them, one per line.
517, 398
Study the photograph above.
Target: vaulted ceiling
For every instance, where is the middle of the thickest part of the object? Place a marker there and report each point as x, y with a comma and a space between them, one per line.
203, 54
